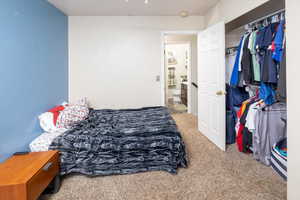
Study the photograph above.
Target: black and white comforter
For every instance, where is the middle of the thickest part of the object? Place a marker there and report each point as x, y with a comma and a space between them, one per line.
122, 142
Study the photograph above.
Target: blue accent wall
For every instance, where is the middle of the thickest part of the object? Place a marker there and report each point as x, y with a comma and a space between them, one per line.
33, 69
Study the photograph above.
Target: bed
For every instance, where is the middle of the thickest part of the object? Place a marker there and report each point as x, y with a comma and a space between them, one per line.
111, 142
43, 142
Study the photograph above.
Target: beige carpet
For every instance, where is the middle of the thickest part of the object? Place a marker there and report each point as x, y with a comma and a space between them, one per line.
211, 175
177, 108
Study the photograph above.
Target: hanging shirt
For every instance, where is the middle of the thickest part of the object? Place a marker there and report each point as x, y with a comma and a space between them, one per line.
269, 70
245, 134
251, 37
250, 41
270, 129
281, 88
239, 114
268, 37
255, 62
259, 39
246, 62
240, 126
278, 42
267, 93
250, 120
230, 59
242, 50
235, 97
235, 73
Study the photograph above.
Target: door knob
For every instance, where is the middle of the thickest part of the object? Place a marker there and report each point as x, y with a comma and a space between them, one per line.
220, 93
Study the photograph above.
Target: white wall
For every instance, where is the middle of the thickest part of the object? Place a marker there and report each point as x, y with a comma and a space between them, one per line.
227, 10
193, 101
233, 38
293, 72
114, 61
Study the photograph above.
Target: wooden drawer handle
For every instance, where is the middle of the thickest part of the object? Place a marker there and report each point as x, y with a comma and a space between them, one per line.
47, 166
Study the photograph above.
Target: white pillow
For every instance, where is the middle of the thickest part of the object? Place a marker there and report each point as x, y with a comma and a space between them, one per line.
42, 142
46, 122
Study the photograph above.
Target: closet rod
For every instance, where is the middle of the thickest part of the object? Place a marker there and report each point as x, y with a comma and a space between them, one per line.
266, 17
235, 47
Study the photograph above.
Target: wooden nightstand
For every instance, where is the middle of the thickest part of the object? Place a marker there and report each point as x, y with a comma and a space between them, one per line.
25, 177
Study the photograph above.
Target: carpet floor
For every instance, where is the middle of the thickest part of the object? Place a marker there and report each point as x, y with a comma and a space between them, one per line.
211, 175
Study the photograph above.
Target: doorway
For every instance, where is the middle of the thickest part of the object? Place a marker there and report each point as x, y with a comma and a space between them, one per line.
179, 72
177, 64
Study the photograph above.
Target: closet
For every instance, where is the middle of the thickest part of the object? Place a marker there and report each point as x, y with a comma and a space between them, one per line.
256, 112
250, 110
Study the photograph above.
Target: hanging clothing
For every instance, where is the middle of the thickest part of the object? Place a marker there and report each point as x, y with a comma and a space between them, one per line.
247, 140
252, 90
241, 79
281, 88
268, 37
259, 39
267, 93
269, 70
235, 72
250, 120
269, 67
270, 128
230, 127
255, 62
246, 134
230, 59
241, 125
278, 42
242, 50
235, 97
246, 62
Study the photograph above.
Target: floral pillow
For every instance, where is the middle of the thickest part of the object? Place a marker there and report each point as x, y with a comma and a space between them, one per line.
72, 114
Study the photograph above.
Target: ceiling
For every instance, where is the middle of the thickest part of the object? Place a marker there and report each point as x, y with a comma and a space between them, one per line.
132, 7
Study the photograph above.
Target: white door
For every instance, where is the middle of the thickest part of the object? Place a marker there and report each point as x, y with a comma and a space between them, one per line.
211, 84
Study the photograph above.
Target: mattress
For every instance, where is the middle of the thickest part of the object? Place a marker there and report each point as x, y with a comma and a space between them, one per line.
111, 142
42, 142
278, 160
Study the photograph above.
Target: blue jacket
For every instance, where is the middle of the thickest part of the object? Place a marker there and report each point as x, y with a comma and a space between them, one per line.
267, 93
277, 55
234, 81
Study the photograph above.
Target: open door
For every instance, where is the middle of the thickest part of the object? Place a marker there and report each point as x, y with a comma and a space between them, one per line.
211, 84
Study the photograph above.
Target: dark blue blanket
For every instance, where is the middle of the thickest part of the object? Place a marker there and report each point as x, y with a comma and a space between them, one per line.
122, 142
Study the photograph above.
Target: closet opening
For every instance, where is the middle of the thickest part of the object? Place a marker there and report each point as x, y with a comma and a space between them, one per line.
256, 110
180, 72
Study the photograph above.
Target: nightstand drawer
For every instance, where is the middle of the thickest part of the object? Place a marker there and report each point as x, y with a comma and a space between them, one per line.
42, 178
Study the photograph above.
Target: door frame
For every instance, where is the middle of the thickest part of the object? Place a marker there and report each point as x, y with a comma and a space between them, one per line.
163, 65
